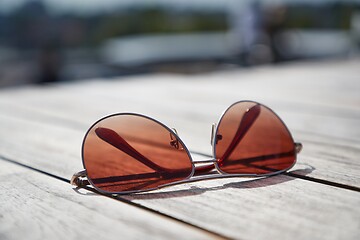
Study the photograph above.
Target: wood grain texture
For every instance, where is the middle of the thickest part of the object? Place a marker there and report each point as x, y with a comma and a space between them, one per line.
35, 206
43, 128
279, 207
319, 105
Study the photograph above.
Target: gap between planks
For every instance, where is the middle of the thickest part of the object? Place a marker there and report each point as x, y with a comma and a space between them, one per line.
197, 224
290, 174
304, 177
213, 234
308, 178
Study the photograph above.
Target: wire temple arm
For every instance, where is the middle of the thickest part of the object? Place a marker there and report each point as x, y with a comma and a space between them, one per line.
298, 147
77, 181
114, 139
246, 123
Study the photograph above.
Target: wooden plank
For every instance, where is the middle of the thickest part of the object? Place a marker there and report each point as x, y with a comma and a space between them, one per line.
272, 208
241, 207
163, 97
25, 141
34, 206
44, 134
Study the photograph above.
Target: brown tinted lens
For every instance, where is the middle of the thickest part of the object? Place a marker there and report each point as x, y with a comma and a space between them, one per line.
251, 139
131, 152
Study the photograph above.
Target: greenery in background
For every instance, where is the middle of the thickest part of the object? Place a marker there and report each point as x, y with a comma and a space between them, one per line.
156, 20
32, 26
331, 16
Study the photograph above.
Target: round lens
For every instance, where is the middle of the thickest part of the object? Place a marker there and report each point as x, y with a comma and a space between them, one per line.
129, 152
252, 139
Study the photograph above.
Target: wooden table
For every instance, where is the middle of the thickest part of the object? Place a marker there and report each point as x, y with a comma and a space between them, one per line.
41, 131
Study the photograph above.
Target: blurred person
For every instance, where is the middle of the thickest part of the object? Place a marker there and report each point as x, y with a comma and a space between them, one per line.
274, 17
250, 40
252, 23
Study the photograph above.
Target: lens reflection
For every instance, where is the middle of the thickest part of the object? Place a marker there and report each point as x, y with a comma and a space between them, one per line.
128, 152
251, 139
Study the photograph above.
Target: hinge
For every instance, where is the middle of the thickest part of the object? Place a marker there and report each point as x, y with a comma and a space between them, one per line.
76, 181
298, 147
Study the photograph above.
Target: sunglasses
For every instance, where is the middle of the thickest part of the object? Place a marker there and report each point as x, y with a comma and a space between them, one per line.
130, 153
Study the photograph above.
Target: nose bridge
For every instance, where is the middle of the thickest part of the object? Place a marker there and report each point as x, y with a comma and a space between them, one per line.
205, 161
204, 167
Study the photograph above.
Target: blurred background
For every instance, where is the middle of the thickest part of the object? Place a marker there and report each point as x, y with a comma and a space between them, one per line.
44, 41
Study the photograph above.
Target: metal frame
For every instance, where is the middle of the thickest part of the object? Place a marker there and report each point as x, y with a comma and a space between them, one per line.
81, 179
